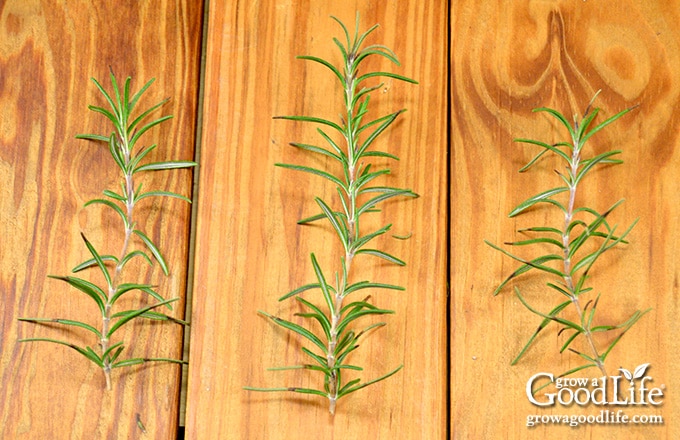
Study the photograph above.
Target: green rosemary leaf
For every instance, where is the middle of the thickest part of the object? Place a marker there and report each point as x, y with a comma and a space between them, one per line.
311, 219
169, 165
344, 29
135, 160
562, 321
381, 254
635, 317
569, 341
561, 289
115, 355
130, 128
300, 290
91, 356
138, 361
319, 359
92, 290
358, 41
374, 122
385, 75
380, 50
368, 237
381, 128
136, 253
325, 289
349, 367
543, 325
364, 92
111, 205
136, 313
545, 196
592, 313
584, 356
347, 340
69, 322
535, 241
339, 226
368, 285
146, 288
154, 250
388, 193
297, 329
360, 386
98, 259
318, 315
116, 120
536, 263
93, 137
358, 305
364, 178
161, 193
112, 357
592, 162
315, 149
126, 97
313, 120
352, 315
92, 262
348, 385
585, 122
341, 47
599, 127
600, 219
559, 117
327, 64
138, 95
156, 316
116, 154
103, 111
547, 147
321, 173
113, 195
306, 391
116, 91
379, 154
542, 229
148, 126
341, 356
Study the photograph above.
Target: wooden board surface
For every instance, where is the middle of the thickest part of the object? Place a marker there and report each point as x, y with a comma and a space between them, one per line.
508, 58
48, 52
249, 250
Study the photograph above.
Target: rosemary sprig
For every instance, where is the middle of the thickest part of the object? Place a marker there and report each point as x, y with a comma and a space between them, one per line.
122, 142
357, 197
574, 253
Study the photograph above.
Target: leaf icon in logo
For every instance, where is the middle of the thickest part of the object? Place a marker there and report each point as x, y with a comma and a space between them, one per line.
627, 374
640, 371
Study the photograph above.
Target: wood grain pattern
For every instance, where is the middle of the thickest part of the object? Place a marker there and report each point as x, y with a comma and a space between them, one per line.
510, 57
48, 52
249, 250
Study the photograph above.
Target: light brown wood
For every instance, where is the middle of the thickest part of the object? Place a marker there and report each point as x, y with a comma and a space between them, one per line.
48, 52
508, 58
250, 251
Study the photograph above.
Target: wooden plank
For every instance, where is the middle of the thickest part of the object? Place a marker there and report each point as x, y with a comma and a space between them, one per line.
48, 52
510, 57
249, 250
